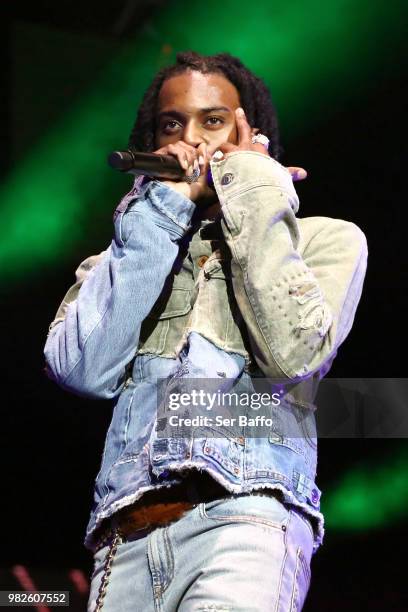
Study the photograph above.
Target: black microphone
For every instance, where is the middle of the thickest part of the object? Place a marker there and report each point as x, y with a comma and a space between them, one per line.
149, 164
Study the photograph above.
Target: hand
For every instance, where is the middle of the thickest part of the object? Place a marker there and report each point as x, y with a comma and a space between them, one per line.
191, 158
245, 134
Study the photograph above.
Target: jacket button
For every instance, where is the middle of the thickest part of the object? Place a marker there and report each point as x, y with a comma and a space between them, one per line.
227, 178
201, 260
315, 496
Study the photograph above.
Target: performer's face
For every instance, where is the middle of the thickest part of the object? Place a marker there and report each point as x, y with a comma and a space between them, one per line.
197, 108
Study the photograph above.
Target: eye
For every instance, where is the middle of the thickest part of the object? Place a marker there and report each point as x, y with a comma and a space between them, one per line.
214, 121
170, 126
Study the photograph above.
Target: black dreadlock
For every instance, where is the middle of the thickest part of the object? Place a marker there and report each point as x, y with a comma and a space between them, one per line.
254, 97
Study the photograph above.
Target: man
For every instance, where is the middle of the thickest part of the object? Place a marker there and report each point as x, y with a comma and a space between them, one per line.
205, 281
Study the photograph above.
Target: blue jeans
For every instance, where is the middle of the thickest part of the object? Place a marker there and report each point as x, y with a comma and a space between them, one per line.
247, 553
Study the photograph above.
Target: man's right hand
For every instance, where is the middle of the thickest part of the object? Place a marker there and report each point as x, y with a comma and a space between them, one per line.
191, 158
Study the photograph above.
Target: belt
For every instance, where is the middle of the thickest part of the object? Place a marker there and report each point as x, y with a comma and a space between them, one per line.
162, 506
155, 508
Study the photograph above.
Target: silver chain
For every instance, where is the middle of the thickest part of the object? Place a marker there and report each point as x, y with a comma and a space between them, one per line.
107, 569
116, 539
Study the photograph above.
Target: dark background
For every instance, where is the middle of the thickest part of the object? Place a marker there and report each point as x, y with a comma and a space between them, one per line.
52, 442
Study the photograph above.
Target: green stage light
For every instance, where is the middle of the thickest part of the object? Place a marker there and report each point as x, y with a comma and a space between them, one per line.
309, 53
369, 496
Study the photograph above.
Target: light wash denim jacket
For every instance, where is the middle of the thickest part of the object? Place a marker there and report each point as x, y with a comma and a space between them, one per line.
277, 292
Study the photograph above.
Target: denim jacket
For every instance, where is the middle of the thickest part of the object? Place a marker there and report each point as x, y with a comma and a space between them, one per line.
277, 291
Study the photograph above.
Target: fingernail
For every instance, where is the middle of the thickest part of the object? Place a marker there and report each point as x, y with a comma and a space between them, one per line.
240, 112
201, 160
218, 155
196, 166
185, 163
190, 170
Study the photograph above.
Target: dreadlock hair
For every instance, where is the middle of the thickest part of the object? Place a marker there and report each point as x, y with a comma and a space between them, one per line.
254, 96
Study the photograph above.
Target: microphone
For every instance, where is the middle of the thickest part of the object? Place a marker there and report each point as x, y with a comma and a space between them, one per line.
150, 164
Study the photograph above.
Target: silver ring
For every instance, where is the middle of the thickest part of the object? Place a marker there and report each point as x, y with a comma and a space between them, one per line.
193, 178
261, 139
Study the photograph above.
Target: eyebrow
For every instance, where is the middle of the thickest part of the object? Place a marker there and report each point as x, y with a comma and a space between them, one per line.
210, 109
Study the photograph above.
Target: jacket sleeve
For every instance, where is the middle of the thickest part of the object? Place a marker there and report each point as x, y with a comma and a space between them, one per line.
96, 330
298, 295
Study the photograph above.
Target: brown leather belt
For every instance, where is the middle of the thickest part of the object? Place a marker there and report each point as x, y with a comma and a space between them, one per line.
146, 517
162, 506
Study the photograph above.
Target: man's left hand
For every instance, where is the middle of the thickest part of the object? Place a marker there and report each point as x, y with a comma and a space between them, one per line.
245, 134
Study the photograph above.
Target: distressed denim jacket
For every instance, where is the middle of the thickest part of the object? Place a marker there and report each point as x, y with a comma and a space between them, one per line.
276, 292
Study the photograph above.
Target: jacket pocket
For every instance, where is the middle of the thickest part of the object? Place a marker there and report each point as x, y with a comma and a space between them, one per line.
173, 304
216, 315
163, 328
225, 454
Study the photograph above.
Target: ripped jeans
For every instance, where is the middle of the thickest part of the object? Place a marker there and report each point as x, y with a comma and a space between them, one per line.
246, 553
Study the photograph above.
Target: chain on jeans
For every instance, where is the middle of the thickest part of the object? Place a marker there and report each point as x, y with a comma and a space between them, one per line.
116, 539
107, 568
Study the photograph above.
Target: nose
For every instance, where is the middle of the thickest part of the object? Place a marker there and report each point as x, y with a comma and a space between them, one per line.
192, 134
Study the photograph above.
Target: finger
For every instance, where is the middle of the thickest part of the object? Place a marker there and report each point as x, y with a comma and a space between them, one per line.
260, 148
210, 150
181, 155
226, 147
298, 174
244, 130
192, 155
203, 157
